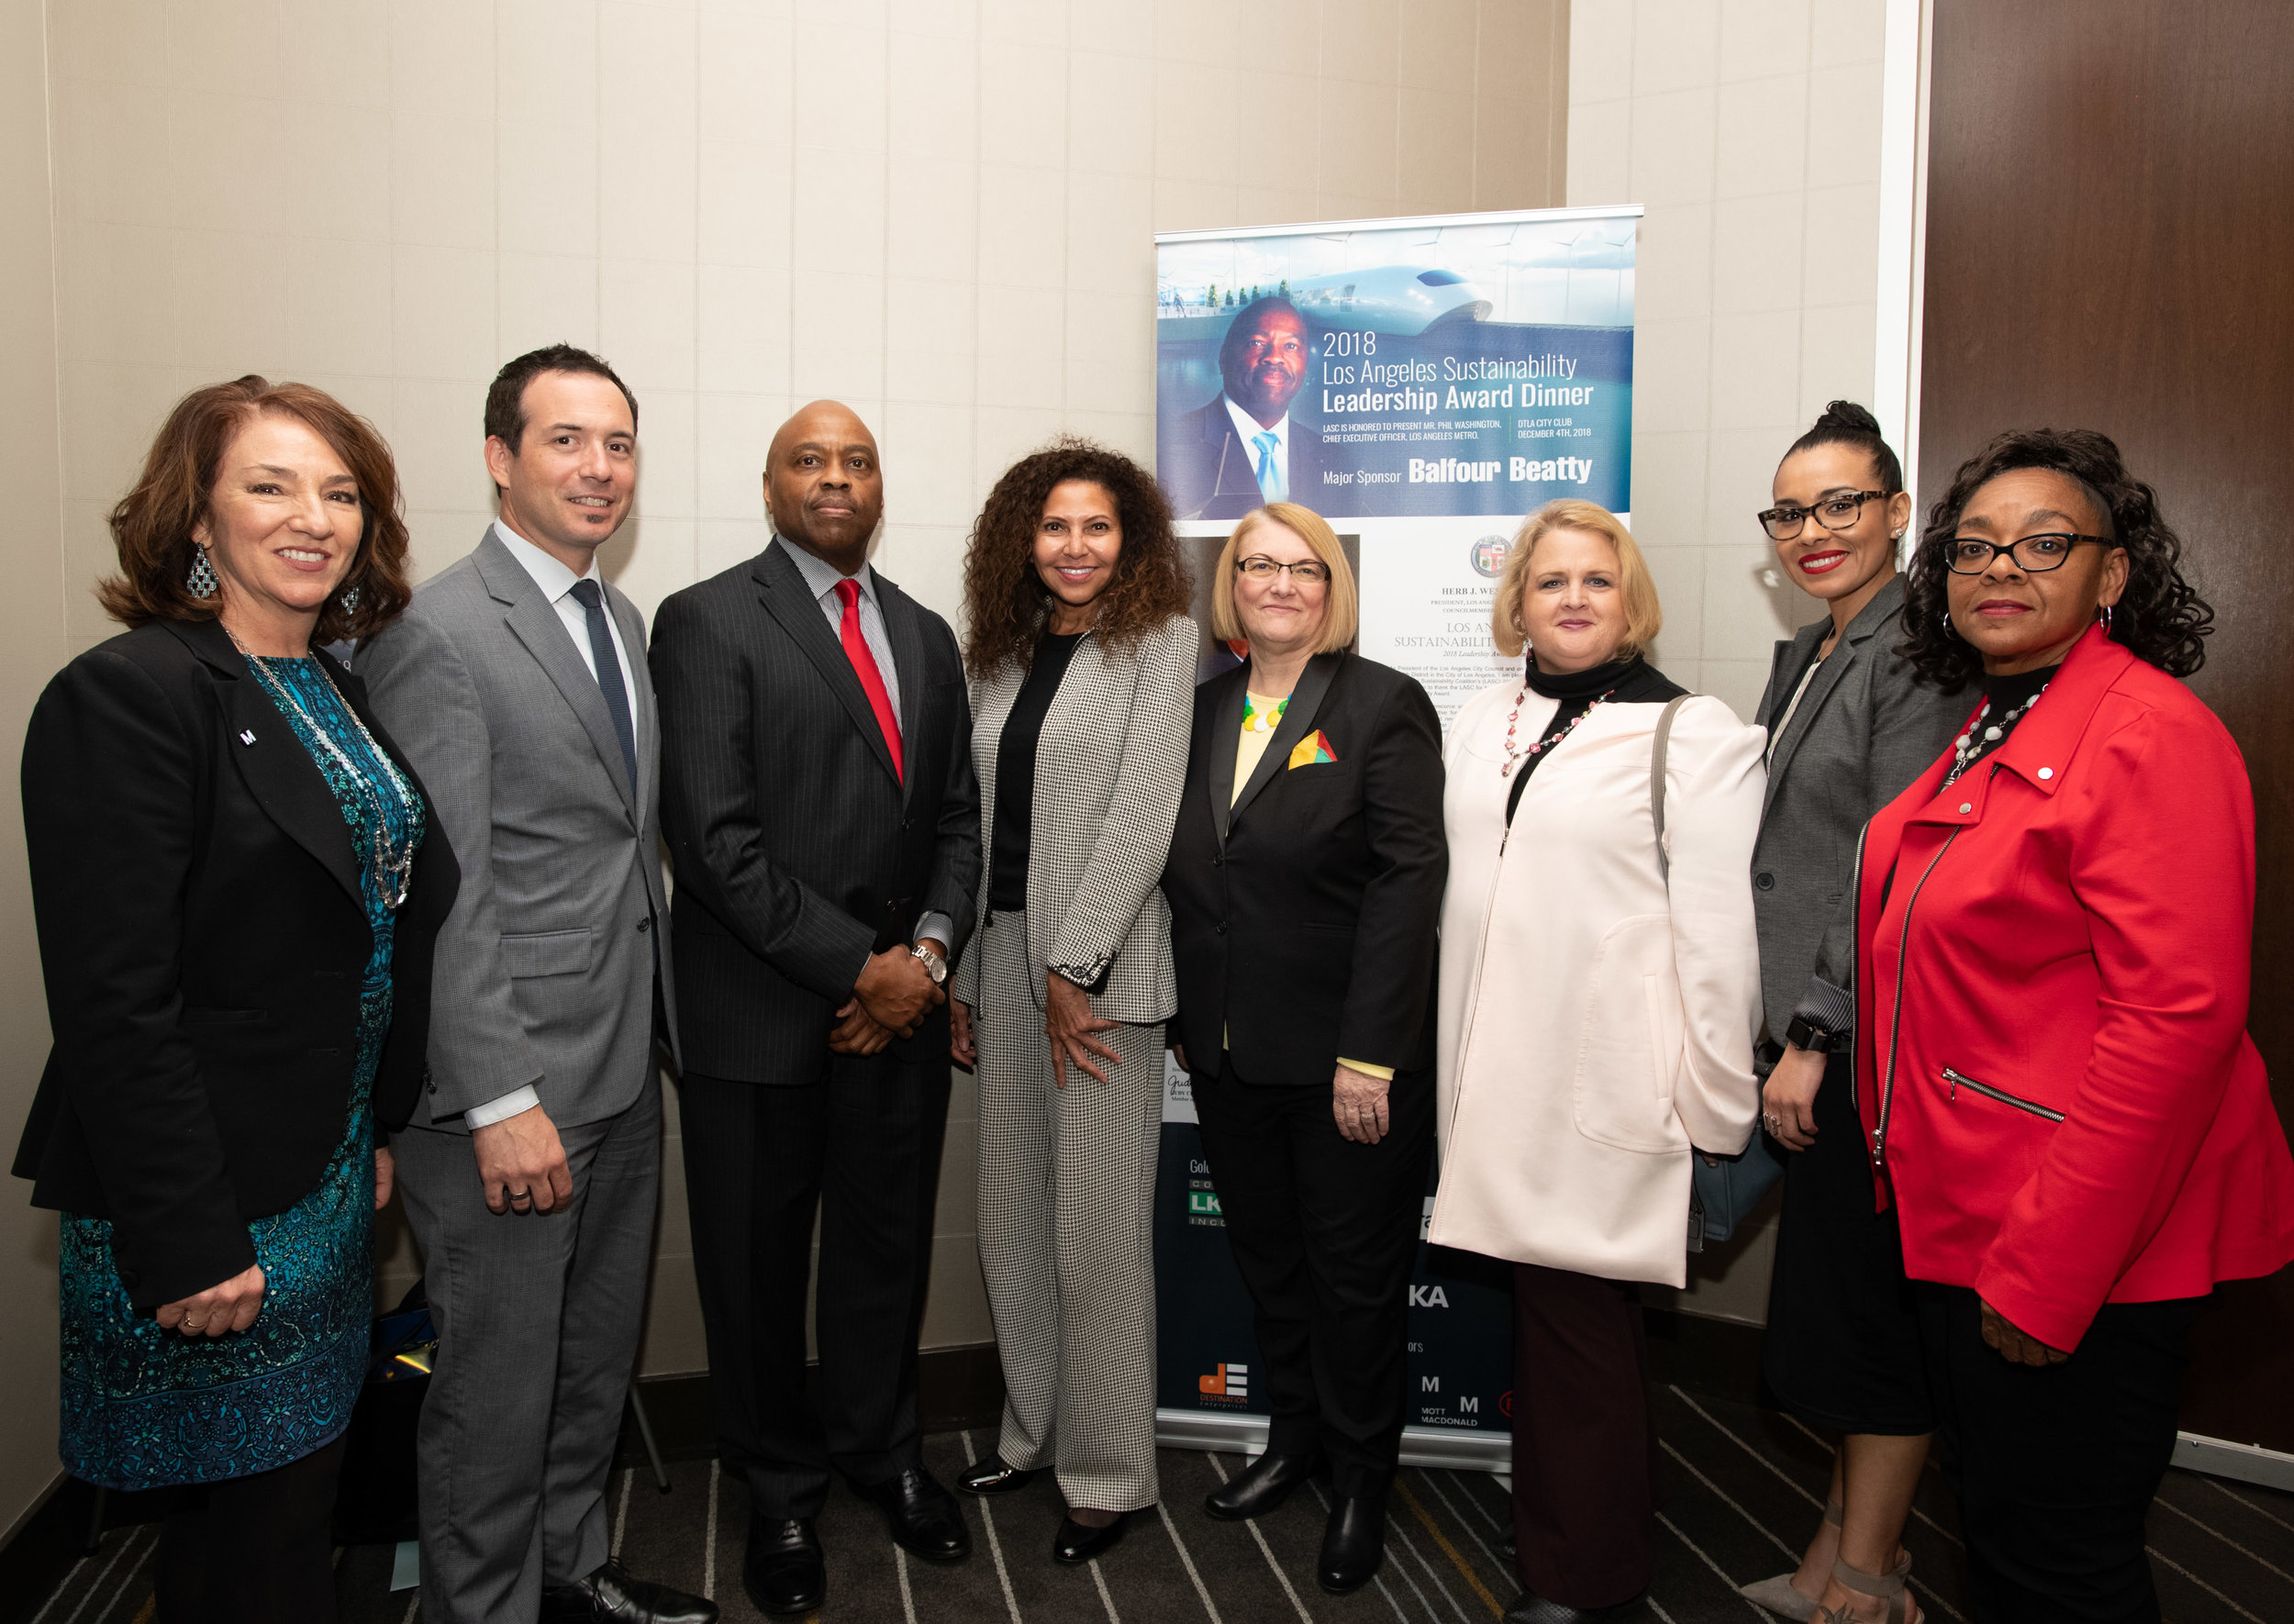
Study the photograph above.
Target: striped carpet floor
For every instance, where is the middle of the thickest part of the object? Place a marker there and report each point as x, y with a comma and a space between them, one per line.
1744, 1488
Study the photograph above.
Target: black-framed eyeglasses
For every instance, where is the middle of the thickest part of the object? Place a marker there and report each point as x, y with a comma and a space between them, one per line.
1971, 555
1834, 513
1306, 572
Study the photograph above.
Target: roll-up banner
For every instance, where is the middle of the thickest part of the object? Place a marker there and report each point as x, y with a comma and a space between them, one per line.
1423, 384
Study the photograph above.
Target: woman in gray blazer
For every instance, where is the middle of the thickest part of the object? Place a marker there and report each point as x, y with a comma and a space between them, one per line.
1083, 662
1849, 727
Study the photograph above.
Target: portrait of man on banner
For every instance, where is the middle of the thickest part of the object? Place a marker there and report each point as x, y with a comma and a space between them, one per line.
1242, 448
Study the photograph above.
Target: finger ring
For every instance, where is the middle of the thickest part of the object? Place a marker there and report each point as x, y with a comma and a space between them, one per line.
1774, 1126
193, 1324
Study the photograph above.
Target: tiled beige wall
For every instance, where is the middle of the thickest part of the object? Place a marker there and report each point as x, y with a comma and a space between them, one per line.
1750, 131
941, 212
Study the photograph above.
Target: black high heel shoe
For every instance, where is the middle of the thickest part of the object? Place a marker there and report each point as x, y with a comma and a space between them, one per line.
1075, 1543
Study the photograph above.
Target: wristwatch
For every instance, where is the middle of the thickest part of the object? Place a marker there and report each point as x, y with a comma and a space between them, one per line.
934, 965
1814, 1040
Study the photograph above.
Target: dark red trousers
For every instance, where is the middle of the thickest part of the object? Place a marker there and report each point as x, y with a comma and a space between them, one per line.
1584, 1449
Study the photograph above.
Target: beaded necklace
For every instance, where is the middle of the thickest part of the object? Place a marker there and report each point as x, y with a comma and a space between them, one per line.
1515, 757
1970, 745
1263, 721
392, 870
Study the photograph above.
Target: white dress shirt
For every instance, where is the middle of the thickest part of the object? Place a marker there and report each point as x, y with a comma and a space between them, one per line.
821, 577
557, 585
1250, 428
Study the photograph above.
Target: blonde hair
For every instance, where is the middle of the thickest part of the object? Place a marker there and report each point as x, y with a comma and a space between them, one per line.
1644, 616
1340, 605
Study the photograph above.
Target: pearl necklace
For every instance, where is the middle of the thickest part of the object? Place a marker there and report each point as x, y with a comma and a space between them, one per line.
1971, 744
1515, 757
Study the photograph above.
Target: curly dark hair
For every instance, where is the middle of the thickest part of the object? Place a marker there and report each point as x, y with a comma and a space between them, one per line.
2160, 617
1006, 602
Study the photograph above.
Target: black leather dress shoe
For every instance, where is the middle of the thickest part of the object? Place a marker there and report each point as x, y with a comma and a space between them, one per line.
1259, 1487
991, 1476
922, 1516
1075, 1544
785, 1571
614, 1595
1536, 1610
1353, 1544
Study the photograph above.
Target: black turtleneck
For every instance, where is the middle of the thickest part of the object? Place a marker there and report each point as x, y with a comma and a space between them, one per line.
1630, 681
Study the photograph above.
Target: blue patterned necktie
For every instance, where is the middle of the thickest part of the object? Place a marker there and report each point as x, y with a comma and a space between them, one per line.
609, 681
1270, 476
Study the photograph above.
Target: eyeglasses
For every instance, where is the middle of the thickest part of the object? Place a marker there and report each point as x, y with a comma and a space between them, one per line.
1306, 572
1969, 555
1834, 513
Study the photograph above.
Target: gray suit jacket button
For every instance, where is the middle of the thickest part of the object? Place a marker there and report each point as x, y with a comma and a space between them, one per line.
1765, 882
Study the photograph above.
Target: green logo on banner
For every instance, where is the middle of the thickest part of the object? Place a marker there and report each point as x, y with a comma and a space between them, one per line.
1202, 1201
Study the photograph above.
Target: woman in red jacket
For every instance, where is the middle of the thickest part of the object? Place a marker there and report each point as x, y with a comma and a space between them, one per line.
2054, 1069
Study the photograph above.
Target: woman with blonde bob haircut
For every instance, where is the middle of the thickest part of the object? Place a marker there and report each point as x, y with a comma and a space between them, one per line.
1341, 607
1596, 1017
1305, 882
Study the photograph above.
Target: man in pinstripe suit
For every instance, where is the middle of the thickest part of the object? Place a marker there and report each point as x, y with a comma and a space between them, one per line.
819, 800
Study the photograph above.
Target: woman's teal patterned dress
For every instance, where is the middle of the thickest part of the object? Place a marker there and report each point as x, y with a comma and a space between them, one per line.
145, 1407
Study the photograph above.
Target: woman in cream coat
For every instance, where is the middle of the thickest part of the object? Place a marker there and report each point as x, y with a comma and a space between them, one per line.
1596, 1021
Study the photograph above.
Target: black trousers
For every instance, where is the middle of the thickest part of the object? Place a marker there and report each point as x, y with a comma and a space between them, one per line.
861, 1149
1324, 1231
1584, 1449
2056, 1466
255, 1549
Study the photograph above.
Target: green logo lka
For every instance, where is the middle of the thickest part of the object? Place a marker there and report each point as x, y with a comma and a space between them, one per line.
1202, 1201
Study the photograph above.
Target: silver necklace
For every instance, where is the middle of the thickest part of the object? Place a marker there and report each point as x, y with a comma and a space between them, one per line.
392, 871
1979, 738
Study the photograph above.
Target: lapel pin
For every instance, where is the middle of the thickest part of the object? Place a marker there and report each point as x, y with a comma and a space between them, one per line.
248, 737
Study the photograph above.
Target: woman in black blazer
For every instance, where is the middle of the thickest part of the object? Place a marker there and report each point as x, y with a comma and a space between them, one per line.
1305, 882
235, 889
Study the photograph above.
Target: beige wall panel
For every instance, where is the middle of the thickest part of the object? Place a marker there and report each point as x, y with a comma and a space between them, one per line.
1750, 131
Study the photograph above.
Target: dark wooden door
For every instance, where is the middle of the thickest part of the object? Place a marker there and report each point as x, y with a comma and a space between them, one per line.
2110, 245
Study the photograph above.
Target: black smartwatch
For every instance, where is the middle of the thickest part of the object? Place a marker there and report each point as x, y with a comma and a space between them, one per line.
1814, 1040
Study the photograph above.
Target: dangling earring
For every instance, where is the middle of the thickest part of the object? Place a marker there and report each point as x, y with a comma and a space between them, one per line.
1947, 625
2105, 618
201, 582
350, 599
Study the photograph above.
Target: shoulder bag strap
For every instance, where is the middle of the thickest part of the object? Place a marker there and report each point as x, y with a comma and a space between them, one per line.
1656, 782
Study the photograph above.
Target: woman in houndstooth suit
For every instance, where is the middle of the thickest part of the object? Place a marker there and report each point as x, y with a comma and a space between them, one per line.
1082, 660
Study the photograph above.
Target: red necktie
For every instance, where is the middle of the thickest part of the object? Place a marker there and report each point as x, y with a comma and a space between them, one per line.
864, 663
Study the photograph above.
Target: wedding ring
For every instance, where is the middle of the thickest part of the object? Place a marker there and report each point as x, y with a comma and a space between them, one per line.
195, 1325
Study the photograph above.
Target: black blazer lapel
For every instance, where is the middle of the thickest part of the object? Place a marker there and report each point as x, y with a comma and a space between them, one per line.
1306, 702
272, 763
533, 620
789, 602
1220, 747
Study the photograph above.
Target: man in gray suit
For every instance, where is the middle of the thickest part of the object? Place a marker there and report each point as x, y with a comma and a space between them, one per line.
516, 683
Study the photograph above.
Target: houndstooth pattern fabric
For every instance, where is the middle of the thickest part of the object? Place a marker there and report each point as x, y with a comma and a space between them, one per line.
1109, 769
1067, 1185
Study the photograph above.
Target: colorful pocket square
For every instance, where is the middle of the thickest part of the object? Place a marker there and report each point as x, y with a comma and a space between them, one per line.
1313, 747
